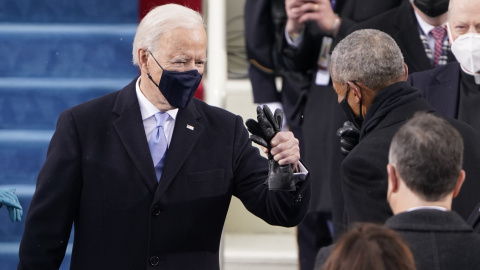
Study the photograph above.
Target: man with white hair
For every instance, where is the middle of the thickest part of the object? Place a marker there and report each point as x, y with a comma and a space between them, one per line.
146, 174
454, 89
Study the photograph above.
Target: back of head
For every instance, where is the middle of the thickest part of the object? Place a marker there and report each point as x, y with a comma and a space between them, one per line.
370, 247
369, 56
428, 153
160, 20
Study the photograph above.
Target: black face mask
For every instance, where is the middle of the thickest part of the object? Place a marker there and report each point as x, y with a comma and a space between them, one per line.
356, 120
178, 87
432, 8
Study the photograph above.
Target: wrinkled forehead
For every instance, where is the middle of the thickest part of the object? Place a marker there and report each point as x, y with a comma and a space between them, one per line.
463, 10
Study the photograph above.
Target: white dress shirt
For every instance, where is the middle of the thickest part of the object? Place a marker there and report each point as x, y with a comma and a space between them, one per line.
148, 111
426, 28
427, 207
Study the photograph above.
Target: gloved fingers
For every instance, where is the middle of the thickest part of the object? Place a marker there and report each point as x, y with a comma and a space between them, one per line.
351, 137
273, 120
350, 132
347, 125
19, 214
347, 130
265, 124
259, 140
11, 213
10, 199
279, 119
8, 195
344, 151
254, 128
12, 203
348, 145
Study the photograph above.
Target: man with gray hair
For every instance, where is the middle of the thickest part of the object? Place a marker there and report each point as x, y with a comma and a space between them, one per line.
368, 75
424, 176
146, 174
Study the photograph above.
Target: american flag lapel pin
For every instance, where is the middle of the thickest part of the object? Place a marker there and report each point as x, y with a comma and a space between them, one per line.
190, 127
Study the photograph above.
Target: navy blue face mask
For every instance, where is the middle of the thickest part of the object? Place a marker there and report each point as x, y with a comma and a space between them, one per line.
177, 87
356, 120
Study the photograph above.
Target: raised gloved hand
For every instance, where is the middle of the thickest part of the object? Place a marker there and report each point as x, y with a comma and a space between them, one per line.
268, 125
349, 136
8, 198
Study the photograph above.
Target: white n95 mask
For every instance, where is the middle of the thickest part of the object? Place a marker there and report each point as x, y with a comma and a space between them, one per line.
466, 49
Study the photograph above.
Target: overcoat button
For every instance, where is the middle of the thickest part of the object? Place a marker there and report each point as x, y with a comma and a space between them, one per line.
154, 261
156, 210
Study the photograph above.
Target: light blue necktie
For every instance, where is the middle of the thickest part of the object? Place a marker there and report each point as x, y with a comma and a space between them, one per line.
158, 143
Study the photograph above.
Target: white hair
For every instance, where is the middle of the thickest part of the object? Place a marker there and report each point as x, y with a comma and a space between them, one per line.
160, 20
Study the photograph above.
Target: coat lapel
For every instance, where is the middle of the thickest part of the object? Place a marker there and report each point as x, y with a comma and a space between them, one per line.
413, 50
129, 126
185, 136
443, 94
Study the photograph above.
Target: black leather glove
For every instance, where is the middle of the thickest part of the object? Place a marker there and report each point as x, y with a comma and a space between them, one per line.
279, 177
349, 136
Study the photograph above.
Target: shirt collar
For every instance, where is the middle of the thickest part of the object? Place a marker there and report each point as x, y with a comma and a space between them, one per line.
146, 107
427, 207
426, 27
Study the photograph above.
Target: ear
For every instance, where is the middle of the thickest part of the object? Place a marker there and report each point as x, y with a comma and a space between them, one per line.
142, 60
460, 180
393, 184
406, 70
356, 91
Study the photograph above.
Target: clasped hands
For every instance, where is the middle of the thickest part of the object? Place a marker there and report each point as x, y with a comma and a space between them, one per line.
301, 11
281, 147
8, 198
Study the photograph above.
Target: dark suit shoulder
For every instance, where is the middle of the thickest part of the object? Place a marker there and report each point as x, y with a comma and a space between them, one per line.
428, 220
389, 21
106, 102
455, 244
428, 75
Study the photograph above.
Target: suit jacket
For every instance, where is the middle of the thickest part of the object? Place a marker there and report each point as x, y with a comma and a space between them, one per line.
264, 33
437, 239
99, 175
440, 87
401, 23
364, 174
474, 219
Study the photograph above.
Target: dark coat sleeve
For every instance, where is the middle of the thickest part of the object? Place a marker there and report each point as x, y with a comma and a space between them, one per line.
364, 183
283, 208
52, 209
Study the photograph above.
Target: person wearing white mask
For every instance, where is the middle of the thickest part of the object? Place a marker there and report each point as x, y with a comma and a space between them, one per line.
454, 89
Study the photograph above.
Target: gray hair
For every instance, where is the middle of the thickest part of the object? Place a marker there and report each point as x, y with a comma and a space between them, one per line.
160, 20
368, 56
428, 154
